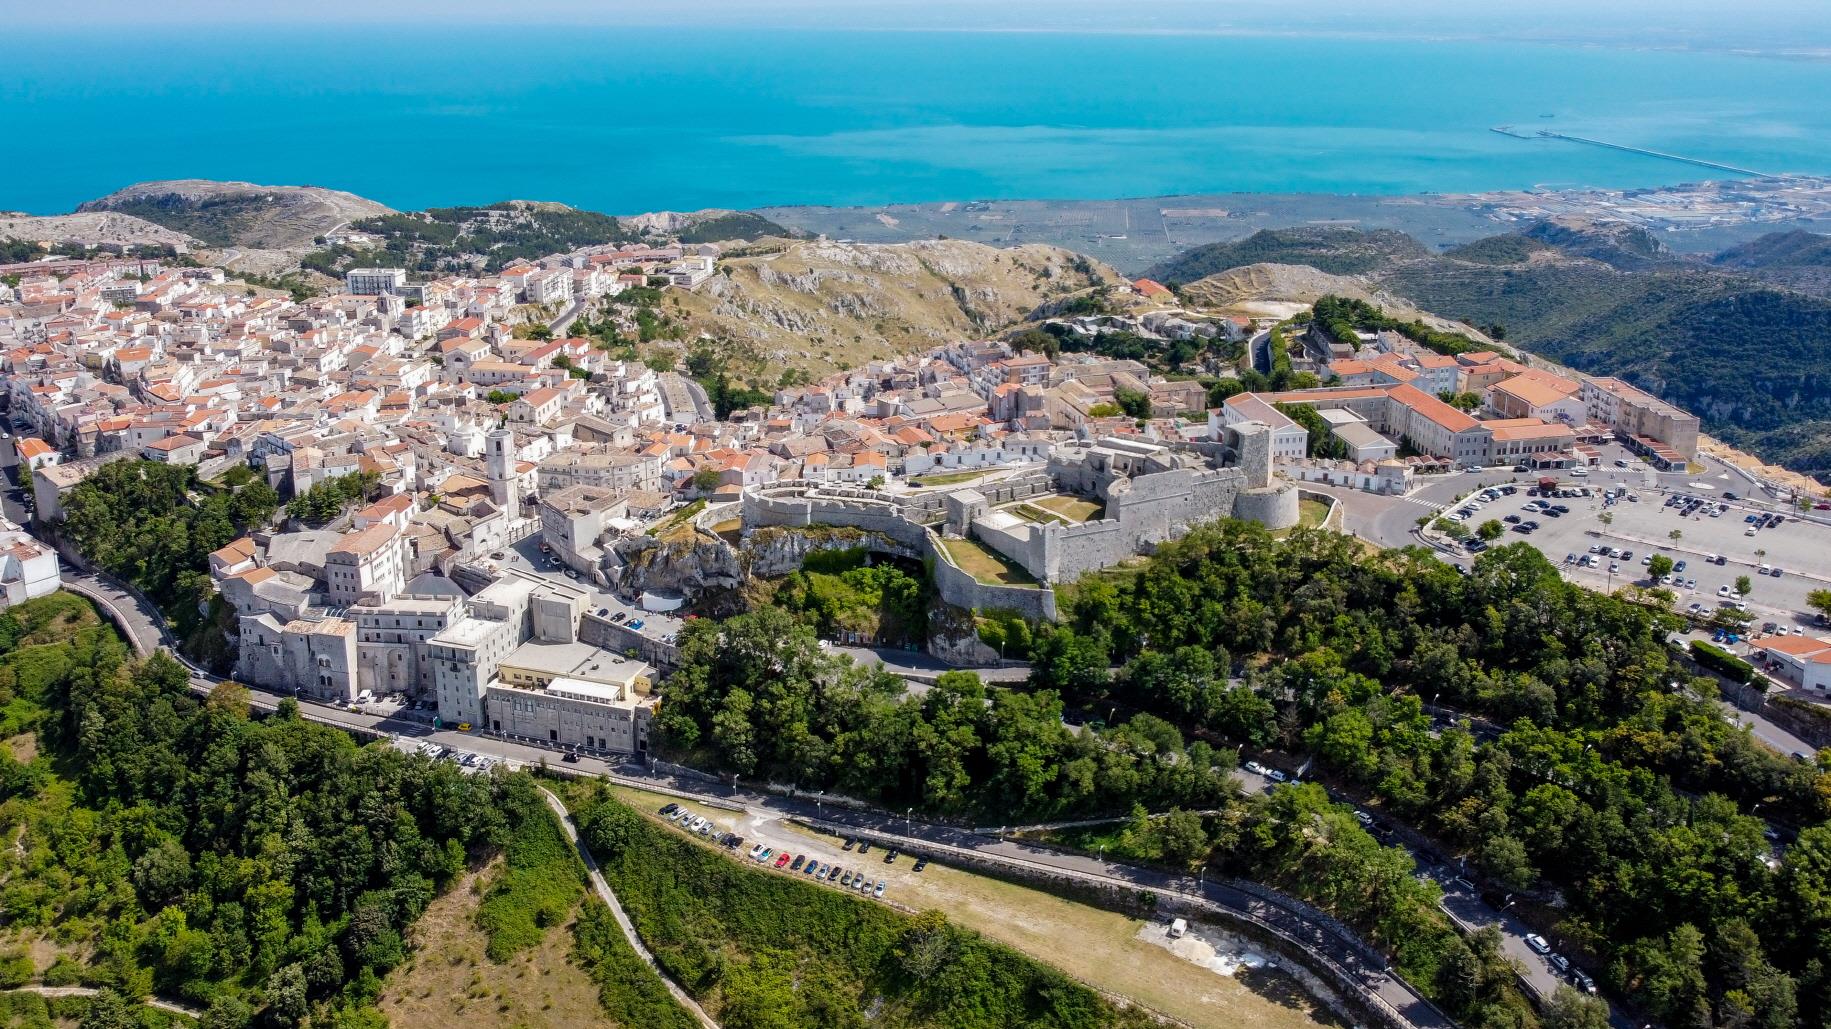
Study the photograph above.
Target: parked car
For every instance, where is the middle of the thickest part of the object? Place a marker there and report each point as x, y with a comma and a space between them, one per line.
795, 866
920, 864
879, 893
1276, 776
1537, 943
782, 859
849, 844
864, 846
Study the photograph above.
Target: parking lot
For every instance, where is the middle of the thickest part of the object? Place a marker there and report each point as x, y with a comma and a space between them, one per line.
1642, 521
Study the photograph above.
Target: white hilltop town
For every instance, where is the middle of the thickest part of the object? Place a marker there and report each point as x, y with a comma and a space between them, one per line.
542, 512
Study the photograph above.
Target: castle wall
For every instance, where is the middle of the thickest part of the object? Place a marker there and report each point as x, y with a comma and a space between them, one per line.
956, 586
1025, 545
1274, 507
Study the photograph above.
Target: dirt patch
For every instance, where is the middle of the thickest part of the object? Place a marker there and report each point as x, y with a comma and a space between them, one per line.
448, 979
24, 747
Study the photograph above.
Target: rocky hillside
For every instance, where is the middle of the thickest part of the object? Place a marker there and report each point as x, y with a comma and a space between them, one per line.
820, 305
239, 215
1796, 260
1337, 251
95, 228
713, 225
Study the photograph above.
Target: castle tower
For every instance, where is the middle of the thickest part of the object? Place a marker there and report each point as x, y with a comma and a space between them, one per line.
499, 452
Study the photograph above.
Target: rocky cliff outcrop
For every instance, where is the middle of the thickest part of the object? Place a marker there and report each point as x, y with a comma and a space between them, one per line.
778, 550
704, 568
695, 564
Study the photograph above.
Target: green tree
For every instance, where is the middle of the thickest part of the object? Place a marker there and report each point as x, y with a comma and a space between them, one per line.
1322, 441
1744, 585
1659, 567
1491, 529
1820, 600
706, 480
1568, 1009
1184, 840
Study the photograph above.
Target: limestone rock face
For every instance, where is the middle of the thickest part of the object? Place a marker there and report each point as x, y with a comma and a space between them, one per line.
694, 564
776, 550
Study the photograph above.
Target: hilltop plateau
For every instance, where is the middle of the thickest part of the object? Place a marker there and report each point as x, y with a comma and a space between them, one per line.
821, 305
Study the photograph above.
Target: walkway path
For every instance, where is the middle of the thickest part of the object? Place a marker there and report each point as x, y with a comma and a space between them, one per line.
609, 898
89, 991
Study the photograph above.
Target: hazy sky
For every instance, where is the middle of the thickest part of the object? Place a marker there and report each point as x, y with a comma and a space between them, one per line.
1769, 24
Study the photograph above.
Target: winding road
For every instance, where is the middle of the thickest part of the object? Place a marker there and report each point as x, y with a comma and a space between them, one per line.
1338, 953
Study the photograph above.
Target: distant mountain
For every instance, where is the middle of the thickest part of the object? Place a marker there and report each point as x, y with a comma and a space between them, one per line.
1797, 260
713, 225
1618, 245
1508, 249
1337, 251
239, 214
1751, 358
735, 226
1779, 249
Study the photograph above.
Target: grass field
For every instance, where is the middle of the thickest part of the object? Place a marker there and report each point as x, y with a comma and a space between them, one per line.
1101, 948
950, 478
1311, 513
1075, 509
450, 979
984, 565
1036, 514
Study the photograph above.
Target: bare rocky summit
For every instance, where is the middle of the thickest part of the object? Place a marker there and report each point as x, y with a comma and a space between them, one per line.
233, 215
820, 305
92, 228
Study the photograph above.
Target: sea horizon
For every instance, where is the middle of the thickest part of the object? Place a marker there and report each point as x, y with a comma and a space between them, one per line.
630, 120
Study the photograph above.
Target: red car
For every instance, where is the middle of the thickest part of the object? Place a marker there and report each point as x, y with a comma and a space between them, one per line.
783, 860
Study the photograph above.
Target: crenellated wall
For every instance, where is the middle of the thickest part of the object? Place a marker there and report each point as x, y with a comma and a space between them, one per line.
1152, 494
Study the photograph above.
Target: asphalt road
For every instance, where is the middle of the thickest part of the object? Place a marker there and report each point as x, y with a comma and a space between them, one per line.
1324, 941
564, 321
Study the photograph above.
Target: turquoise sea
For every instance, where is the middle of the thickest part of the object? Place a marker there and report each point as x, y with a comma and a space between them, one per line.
629, 120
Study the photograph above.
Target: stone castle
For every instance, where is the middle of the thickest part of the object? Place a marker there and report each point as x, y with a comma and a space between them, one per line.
1148, 492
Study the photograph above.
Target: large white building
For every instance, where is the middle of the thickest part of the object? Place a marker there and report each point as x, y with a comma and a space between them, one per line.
1290, 441
572, 694
369, 563
465, 655
372, 282
393, 640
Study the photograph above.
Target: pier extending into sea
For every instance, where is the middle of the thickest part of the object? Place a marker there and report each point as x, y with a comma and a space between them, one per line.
1508, 130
